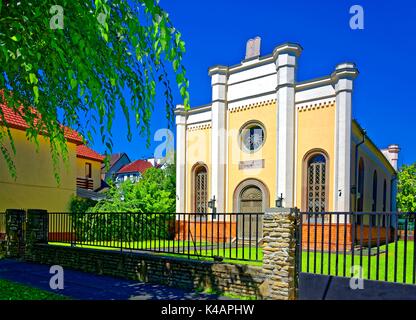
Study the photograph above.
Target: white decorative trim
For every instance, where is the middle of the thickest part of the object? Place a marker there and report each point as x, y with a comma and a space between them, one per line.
252, 105
316, 105
181, 162
201, 126
196, 118
295, 182
343, 116
285, 142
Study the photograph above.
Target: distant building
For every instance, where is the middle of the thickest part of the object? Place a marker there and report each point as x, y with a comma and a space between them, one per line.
158, 163
133, 171
117, 161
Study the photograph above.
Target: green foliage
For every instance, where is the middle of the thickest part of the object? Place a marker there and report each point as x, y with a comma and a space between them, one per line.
155, 192
406, 196
80, 205
112, 228
108, 53
113, 218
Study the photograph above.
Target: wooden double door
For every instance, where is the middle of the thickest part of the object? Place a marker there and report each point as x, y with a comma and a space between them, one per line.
249, 222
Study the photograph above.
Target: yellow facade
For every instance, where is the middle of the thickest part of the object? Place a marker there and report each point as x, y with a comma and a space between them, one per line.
266, 115
198, 143
35, 186
95, 170
316, 133
374, 161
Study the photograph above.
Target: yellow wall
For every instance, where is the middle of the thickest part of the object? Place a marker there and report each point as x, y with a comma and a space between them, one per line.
265, 114
373, 160
35, 186
95, 170
198, 149
315, 131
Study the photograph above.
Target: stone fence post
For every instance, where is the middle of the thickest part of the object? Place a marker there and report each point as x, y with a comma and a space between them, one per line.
279, 254
36, 228
15, 244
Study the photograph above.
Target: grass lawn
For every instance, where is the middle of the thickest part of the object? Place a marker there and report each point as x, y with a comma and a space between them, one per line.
369, 265
14, 291
321, 266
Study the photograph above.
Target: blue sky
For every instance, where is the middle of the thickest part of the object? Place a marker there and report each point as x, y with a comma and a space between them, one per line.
384, 100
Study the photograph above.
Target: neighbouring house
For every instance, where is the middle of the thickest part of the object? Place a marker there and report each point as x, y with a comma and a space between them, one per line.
35, 186
89, 164
160, 163
132, 171
266, 140
117, 161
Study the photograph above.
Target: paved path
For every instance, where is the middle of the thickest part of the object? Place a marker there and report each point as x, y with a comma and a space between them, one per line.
88, 286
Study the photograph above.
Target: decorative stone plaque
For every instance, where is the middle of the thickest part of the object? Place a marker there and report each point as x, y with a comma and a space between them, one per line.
251, 164
253, 48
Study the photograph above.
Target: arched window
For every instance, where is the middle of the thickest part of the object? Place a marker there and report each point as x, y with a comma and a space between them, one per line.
316, 183
374, 206
360, 194
201, 190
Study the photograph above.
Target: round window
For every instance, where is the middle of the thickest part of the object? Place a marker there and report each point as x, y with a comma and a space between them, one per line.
252, 137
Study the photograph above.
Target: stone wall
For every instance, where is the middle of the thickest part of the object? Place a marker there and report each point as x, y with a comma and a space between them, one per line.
242, 280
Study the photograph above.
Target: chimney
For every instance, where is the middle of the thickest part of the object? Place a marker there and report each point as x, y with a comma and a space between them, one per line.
392, 154
253, 48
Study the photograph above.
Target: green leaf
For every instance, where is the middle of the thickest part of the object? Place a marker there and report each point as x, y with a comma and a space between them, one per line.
16, 38
74, 83
36, 93
33, 78
182, 46
175, 65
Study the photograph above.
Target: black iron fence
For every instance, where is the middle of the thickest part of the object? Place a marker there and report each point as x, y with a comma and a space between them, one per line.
223, 236
374, 246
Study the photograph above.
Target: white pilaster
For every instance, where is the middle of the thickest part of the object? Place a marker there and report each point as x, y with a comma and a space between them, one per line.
286, 61
218, 154
343, 77
180, 158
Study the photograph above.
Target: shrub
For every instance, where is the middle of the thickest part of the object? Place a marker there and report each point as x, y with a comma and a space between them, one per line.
132, 211
81, 205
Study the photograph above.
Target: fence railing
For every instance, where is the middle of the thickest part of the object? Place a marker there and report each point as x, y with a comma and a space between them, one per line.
85, 183
223, 236
375, 246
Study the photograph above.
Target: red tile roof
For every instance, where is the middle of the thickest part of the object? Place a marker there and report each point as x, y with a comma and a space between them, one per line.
136, 166
16, 121
87, 153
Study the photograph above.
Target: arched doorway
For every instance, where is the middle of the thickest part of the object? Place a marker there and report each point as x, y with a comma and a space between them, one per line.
251, 199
